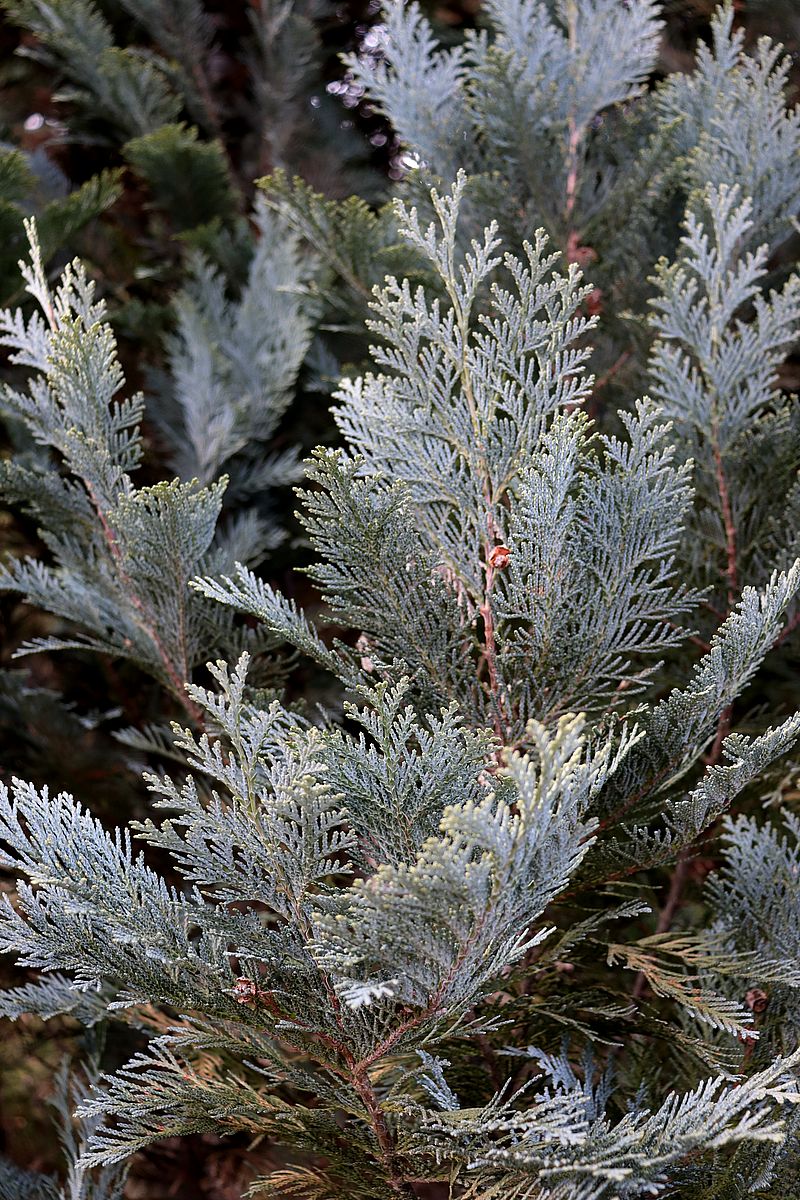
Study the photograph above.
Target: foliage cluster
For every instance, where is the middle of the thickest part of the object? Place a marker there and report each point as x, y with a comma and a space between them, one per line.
466, 863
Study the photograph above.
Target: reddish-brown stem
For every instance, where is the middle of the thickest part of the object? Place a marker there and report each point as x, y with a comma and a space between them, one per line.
672, 903
749, 1047
356, 1073
399, 1032
723, 729
485, 610
693, 638
366, 1094
575, 133
612, 371
490, 652
605, 378
731, 568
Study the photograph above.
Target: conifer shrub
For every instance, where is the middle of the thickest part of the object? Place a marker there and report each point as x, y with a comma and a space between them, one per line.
505, 902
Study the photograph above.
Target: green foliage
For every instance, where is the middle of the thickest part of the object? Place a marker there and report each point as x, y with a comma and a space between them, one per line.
518, 1158
472, 443
188, 178
79, 1183
732, 126
754, 899
546, 111
233, 364
183, 31
195, 102
490, 900
122, 557
714, 373
129, 91
359, 978
60, 217
354, 242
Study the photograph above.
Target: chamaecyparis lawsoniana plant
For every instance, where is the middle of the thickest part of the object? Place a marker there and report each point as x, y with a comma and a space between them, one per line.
176, 107
548, 110
413, 949
194, 99
121, 556
727, 119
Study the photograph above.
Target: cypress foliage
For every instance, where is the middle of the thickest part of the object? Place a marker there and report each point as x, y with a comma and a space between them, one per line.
501, 898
